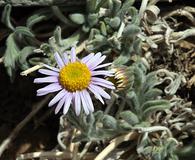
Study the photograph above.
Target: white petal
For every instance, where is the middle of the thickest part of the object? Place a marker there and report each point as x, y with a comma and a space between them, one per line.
65, 58
97, 95
68, 100
61, 94
88, 100
97, 62
60, 104
100, 91
87, 58
77, 103
84, 104
48, 72
96, 79
51, 68
49, 79
95, 58
59, 60
49, 89
103, 85
73, 54
102, 72
102, 65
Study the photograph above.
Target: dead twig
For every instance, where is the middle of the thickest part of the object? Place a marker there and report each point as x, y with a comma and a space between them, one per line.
177, 36
143, 8
66, 155
30, 70
84, 151
114, 143
51, 154
191, 82
181, 12
74, 146
1, 59
4, 145
189, 9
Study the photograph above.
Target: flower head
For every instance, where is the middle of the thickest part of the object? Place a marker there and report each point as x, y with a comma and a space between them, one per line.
123, 78
74, 79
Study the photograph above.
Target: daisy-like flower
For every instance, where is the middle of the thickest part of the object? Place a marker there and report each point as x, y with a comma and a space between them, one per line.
74, 79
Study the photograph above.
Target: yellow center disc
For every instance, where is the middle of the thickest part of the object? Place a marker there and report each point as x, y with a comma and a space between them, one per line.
75, 76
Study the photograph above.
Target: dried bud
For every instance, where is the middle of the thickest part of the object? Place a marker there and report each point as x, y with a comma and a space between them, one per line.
123, 78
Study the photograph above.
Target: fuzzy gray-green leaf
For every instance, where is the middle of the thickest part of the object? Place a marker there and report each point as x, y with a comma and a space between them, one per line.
122, 59
133, 100
139, 78
152, 94
109, 122
131, 31
129, 117
115, 22
23, 31
92, 19
77, 18
35, 19
24, 53
115, 6
155, 105
11, 55
6, 17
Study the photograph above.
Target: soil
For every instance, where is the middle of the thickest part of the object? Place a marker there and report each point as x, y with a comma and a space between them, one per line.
17, 100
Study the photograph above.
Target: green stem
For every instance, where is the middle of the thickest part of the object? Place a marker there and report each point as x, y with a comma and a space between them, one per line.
57, 12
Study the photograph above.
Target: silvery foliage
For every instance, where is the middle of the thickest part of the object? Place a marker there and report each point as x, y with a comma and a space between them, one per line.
99, 25
136, 105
